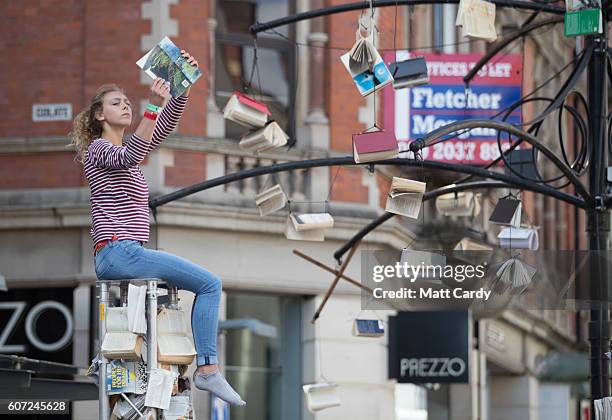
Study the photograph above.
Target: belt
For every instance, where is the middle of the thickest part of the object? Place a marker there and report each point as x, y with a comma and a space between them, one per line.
101, 244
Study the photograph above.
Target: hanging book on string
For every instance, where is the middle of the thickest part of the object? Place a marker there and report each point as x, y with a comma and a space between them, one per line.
246, 111
507, 212
369, 72
269, 137
405, 197
409, 73
271, 200
374, 145
519, 238
477, 19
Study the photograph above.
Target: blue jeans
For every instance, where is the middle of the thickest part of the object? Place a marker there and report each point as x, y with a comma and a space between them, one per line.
127, 259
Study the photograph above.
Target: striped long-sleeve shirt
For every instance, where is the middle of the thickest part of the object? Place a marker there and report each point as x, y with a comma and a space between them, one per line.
119, 192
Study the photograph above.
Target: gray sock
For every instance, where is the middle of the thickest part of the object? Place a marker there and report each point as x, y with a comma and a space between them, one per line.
216, 384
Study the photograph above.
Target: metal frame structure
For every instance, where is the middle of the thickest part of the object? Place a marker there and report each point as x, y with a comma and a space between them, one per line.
592, 198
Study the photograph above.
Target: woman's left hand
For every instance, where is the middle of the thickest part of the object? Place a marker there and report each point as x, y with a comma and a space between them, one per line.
191, 60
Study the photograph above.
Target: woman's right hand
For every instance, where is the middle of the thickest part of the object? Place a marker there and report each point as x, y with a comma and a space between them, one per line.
160, 91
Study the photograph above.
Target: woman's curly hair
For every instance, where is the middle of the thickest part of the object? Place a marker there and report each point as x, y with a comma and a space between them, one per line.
85, 126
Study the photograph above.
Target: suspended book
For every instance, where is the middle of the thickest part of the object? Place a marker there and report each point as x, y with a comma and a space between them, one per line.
409, 73
477, 19
512, 275
119, 342
374, 145
269, 137
368, 328
462, 203
405, 197
173, 338
246, 111
271, 200
519, 238
362, 55
507, 212
467, 244
159, 388
321, 395
523, 162
370, 77
603, 408
310, 221
313, 235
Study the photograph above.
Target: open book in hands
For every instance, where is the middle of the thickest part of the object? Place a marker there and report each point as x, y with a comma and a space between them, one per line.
405, 197
165, 61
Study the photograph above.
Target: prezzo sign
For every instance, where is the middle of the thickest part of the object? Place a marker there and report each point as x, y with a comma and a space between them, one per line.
430, 346
417, 111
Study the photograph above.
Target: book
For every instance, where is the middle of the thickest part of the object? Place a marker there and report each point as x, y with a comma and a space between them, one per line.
519, 238
313, 235
467, 244
409, 73
507, 212
374, 145
362, 55
246, 111
463, 203
119, 342
512, 274
372, 78
137, 322
174, 345
159, 388
321, 395
368, 328
126, 377
271, 200
165, 61
405, 197
269, 137
310, 221
477, 19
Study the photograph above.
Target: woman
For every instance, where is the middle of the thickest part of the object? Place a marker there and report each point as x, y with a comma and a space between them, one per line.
120, 212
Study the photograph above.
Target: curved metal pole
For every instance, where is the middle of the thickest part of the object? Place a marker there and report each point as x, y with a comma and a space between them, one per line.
515, 4
434, 137
504, 42
348, 161
427, 196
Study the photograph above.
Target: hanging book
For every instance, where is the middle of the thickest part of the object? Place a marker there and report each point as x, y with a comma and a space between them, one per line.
321, 395
477, 19
370, 78
269, 137
368, 328
119, 342
310, 221
374, 145
463, 203
271, 200
312, 235
246, 111
405, 197
173, 342
467, 244
515, 274
519, 238
409, 73
507, 212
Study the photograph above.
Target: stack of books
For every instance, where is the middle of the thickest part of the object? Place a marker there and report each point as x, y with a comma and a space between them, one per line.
308, 226
405, 197
477, 19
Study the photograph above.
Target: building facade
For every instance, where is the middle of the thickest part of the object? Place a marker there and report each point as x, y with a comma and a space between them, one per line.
60, 52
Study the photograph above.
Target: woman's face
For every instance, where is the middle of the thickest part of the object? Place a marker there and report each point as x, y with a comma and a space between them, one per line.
116, 109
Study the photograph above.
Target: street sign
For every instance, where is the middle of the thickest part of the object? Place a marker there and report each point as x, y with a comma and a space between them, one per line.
429, 347
416, 111
583, 22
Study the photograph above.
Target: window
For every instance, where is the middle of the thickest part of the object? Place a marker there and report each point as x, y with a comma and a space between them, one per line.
274, 83
264, 358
